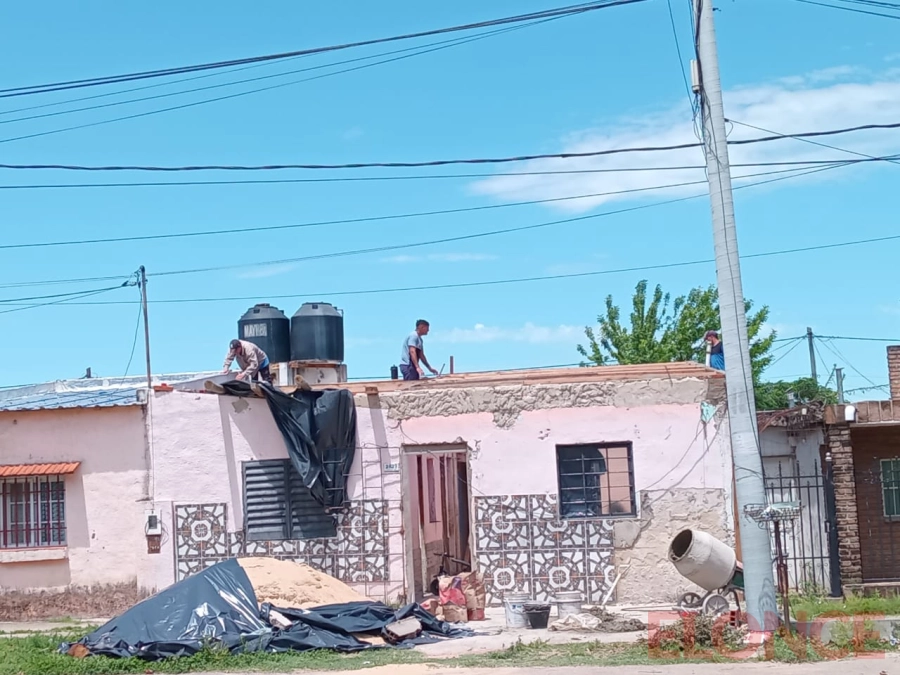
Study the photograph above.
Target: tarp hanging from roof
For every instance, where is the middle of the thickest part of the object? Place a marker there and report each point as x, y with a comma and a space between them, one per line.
319, 429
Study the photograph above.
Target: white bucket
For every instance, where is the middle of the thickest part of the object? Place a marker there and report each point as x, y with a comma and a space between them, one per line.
701, 558
568, 603
514, 604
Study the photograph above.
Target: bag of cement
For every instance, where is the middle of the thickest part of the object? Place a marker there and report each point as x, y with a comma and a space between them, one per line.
455, 613
451, 591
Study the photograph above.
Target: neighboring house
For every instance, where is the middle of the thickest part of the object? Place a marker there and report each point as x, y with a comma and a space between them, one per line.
545, 480
864, 443
792, 443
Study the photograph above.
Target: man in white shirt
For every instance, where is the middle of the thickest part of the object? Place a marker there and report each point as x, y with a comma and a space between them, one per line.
412, 357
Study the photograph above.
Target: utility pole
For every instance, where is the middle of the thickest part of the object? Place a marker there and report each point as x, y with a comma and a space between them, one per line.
812, 355
759, 584
839, 378
143, 282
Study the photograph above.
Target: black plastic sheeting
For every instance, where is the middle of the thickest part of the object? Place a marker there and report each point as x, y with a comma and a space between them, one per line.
218, 606
319, 429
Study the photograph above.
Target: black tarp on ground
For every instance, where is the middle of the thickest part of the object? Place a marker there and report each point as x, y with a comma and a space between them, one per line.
218, 606
319, 429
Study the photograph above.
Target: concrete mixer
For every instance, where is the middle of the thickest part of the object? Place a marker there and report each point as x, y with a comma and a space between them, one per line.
713, 566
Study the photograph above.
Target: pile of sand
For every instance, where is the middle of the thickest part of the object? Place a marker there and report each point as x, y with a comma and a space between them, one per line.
295, 585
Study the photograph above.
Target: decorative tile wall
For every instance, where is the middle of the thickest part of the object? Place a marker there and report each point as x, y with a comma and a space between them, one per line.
523, 547
358, 555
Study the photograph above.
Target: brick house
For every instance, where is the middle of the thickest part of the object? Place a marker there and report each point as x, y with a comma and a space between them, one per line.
863, 442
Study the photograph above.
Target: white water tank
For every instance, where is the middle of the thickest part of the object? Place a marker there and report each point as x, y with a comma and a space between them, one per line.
701, 558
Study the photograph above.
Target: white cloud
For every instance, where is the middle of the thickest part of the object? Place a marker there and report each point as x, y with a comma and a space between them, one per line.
440, 257
353, 134
890, 309
822, 100
530, 333
266, 271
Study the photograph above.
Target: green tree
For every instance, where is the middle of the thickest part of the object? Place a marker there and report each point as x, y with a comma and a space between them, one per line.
663, 330
774, 395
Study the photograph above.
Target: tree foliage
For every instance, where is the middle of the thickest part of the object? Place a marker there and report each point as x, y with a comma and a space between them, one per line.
774, 395
660, 329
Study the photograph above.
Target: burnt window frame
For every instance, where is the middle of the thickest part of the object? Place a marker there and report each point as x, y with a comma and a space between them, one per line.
294, 515
562, 488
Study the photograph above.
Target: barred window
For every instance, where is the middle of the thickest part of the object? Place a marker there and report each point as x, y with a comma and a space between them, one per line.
32, 512
595, 480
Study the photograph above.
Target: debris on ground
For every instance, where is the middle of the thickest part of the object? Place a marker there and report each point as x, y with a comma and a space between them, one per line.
71, 603
288, 584
598, 620
218, 607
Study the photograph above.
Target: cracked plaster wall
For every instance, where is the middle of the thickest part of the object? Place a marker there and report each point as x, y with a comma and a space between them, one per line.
643, 544
507, 402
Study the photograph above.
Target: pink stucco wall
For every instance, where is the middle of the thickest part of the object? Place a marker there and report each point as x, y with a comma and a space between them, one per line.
105, 498
199, 441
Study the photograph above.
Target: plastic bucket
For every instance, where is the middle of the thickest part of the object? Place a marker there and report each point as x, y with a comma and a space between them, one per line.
538, 615
514, 604
568, 603
701, 558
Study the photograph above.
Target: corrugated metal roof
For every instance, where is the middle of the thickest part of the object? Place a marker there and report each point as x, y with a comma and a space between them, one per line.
98, 398
26, 470
86, 393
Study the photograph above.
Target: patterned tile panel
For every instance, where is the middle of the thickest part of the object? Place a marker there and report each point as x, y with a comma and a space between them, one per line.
522, 546
358, 554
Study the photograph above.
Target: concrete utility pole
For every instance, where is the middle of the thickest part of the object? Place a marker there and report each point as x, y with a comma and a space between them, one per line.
143, 283
759, 586
812, 355
839, 378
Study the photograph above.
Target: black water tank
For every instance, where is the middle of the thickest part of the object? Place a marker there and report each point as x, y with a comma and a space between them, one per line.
269, 329
317, 333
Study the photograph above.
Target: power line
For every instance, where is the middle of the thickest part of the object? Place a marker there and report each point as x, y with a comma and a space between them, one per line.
465, 237
419, 51
811, 142
366, 219
837, 352
165, 72
849, 9
446, 162
500, 282
84, 294
861, 339
448, 239
354, 179
113, 104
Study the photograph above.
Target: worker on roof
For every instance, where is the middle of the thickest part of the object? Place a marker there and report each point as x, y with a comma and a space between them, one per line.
716, 354
252, 360
412, 357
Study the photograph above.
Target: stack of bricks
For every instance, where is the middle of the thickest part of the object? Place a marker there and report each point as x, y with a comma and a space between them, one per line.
841, 450
893, 357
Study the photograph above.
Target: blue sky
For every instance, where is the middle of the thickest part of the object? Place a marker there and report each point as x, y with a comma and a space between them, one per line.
608, 79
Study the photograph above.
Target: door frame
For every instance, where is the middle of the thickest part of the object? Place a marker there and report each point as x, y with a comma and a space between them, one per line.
408, 450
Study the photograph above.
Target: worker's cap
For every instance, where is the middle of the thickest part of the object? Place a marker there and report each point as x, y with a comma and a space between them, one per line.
711, 333
235, 344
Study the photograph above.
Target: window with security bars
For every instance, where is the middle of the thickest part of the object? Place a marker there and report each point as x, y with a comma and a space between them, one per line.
890, 487
595, 480
279, 507
32, 512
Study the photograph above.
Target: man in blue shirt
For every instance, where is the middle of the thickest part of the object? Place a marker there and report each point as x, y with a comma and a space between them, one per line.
412, 357
716, 353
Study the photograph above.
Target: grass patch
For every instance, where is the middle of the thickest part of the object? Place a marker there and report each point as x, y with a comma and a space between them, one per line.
808, 607
37, 655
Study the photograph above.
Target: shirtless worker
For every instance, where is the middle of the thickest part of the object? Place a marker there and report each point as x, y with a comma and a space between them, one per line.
414, 353
252, 361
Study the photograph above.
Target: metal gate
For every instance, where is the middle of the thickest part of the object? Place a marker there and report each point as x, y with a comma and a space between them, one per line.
810, 541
